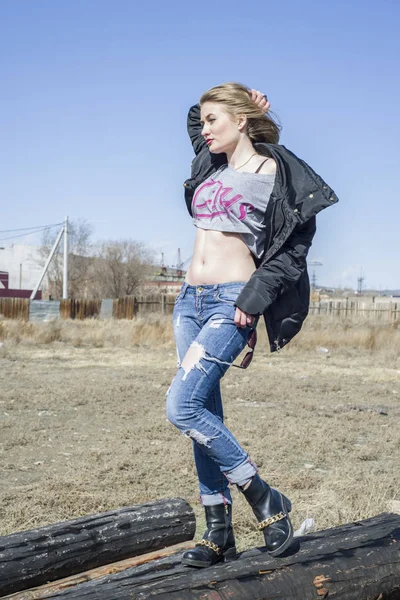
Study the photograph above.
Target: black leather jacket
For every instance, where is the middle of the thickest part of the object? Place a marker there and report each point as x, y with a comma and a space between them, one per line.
279, 288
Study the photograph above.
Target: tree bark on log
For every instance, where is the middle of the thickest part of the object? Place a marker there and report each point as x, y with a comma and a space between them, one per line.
31, 558
358, 561
45, 591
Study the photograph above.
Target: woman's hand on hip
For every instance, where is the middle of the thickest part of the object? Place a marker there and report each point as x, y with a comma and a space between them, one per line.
243, 319
260, 99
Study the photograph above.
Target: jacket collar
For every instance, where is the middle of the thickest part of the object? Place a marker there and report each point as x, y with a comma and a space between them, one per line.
305, 191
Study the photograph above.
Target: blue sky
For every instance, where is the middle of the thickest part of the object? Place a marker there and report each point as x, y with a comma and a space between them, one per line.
95, 95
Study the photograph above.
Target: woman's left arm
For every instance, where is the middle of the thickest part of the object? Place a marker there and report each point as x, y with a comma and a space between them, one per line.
280, 273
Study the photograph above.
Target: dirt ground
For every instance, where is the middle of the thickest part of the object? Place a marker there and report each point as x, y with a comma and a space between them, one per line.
83, 430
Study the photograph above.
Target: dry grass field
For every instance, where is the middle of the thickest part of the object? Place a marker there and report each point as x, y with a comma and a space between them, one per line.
83, 426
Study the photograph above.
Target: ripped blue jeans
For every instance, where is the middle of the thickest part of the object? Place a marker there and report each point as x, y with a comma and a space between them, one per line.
207, 342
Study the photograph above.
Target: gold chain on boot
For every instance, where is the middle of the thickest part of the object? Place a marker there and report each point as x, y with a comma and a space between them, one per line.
271, 520
210, 545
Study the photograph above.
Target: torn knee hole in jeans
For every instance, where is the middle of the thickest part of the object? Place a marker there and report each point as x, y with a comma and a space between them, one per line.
198, 437
193, 356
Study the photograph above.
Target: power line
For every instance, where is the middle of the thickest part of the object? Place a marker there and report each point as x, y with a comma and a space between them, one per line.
12, 237
27, 228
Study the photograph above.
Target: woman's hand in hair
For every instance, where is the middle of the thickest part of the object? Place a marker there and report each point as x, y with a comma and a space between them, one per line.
243, 319
260, 99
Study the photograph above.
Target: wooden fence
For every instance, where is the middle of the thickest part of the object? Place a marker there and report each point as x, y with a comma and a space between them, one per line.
79, 309
385, 312
15, 308
129, 307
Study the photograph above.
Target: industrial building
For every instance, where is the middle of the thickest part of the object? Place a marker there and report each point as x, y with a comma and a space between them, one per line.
20, 269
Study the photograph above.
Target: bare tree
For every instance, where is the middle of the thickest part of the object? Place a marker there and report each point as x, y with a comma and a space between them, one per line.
79, 233
120, 268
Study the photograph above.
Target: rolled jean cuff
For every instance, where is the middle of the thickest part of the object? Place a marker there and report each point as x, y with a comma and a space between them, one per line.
243, 473
213, 499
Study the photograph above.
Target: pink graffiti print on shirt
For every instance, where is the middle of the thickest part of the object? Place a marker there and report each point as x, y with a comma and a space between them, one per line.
219, 202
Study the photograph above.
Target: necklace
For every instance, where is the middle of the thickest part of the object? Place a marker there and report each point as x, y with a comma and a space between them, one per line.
244, 164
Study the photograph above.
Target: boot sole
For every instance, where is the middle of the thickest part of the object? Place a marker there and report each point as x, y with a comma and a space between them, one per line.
228, 556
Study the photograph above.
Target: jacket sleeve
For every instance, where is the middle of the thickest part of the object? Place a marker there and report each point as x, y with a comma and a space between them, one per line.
278, 274
194, 128
201, 150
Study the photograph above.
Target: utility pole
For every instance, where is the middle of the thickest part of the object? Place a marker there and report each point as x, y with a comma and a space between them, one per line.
54, 248
314, 263
179, 264
360, 285
65, 270
163, 267
313, 280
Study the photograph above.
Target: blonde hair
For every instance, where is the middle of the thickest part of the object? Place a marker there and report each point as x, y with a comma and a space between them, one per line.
237, 100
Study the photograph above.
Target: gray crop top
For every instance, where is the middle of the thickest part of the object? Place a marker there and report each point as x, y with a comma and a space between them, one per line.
234, 201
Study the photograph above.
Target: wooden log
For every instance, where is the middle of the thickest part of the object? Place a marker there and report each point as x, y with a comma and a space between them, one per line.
46, 591
358, 561
31, 558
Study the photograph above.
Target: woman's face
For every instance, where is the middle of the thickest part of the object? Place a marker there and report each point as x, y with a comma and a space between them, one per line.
220, 130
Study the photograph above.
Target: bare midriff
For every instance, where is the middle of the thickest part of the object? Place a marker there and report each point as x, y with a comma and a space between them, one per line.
219, 257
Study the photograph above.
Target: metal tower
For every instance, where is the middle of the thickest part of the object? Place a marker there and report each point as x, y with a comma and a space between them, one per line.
314, 263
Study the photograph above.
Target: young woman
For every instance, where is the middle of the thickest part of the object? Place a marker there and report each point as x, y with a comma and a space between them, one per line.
253, 203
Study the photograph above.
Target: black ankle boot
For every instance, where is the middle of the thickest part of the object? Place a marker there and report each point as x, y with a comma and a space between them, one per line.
218, 542
271, 509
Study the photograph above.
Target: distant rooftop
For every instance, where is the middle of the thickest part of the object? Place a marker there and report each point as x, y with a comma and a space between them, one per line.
167, 274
